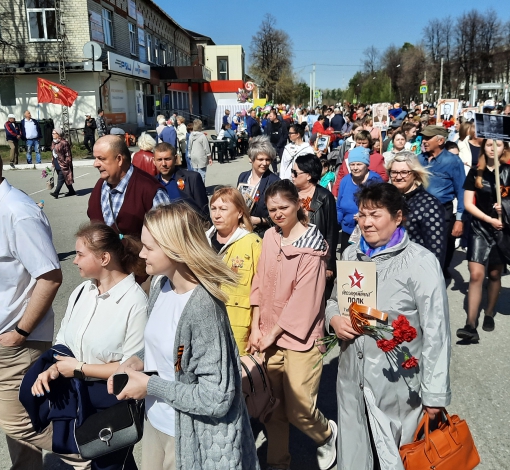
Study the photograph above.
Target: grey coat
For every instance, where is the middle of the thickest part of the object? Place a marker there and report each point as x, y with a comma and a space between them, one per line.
212, 427
410, 283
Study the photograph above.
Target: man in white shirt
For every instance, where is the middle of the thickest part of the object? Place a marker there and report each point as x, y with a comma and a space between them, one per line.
30, 277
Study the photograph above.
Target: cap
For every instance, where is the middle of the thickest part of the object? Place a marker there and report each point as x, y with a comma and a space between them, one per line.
9, 116
359, 155
57, 130
431, 131
87, 114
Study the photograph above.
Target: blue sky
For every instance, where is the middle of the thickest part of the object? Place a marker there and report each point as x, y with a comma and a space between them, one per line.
336, 34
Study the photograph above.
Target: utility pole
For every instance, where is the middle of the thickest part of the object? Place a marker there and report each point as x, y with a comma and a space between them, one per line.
441, 80
313, 82
62, 58
311, 91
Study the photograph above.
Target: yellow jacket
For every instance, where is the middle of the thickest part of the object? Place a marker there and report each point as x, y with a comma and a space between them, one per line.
241, 254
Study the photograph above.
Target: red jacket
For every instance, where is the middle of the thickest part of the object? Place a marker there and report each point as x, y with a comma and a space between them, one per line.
144, 160
376, 165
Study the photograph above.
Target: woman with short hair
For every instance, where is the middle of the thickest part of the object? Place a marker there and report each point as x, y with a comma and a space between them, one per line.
425, 222
232, 237
144, 158
382, 396
199, 149
261, 154
296, 147
196, 417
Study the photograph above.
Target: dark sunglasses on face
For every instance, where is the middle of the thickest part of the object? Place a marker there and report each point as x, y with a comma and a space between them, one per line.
295, 174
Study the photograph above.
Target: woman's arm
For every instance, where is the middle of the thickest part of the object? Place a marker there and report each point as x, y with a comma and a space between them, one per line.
470, 206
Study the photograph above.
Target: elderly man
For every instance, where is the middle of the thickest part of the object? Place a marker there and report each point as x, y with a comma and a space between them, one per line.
30, 277
124, 193
12, 135
31, 134
167, 134
445, 182
180, 184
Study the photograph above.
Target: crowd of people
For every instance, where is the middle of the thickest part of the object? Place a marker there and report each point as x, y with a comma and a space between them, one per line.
179, 286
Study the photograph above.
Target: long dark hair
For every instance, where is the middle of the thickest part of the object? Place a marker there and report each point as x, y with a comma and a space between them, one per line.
287, 190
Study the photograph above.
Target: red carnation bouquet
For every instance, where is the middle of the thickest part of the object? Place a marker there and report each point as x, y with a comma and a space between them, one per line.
401, 330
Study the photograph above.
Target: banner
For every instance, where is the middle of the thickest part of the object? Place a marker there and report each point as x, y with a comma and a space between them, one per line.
50, 92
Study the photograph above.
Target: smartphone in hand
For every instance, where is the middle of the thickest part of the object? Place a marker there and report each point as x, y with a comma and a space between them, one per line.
119, 382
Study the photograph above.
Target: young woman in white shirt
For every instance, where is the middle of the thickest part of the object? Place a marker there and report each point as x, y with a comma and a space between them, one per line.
106, 315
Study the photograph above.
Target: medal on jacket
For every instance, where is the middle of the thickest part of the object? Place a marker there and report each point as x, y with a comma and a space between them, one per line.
237, 263
180, 184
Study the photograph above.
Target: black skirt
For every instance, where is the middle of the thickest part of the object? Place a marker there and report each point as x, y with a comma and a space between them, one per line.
483, 247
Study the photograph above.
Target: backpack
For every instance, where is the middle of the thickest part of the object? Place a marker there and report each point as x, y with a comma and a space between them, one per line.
256, 387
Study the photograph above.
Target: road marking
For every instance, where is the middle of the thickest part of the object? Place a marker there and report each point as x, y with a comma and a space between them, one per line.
81, 176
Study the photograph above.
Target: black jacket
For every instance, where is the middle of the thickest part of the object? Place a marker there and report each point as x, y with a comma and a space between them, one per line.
274, 131
323, 215
89, 130
259, 207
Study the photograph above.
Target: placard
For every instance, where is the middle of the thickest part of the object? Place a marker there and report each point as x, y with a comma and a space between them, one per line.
248, 192
447, 111
492, 126
469, 114
380, 113
356, 282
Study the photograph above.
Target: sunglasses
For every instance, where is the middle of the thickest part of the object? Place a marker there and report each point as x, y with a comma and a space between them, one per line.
295, 174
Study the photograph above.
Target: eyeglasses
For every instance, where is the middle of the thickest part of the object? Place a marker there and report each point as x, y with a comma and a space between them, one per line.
295, 174
401, 174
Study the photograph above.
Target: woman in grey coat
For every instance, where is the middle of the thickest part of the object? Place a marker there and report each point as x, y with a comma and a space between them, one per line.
196, 417
199, 150
379, 402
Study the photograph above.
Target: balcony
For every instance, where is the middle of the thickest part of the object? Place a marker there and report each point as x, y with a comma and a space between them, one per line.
184, 73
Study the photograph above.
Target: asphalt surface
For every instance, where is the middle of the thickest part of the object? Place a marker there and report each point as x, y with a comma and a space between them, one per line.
480, 373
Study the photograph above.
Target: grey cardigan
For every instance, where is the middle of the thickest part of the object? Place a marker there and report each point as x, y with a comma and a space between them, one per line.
212, 427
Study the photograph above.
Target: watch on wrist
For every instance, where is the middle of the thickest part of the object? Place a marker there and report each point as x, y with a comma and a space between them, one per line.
78, 372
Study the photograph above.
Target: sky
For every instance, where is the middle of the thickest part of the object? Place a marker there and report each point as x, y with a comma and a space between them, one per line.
333, 36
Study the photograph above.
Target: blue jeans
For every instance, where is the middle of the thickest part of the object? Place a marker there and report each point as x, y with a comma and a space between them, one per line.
201, 171
33, 144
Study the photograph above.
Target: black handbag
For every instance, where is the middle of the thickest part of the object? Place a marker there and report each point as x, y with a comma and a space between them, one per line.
110, 430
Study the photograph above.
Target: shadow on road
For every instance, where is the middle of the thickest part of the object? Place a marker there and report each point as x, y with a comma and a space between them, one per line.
84, 192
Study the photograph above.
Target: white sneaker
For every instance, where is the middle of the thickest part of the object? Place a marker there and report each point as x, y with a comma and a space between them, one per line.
326, 453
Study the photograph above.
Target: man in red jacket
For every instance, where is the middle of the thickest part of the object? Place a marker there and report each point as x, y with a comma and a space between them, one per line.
124, 193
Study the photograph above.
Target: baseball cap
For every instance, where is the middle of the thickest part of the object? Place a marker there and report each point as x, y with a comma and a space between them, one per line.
11, 116
87, 114
431, 131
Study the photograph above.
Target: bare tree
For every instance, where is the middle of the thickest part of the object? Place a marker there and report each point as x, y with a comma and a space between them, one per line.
271, 54
371, 60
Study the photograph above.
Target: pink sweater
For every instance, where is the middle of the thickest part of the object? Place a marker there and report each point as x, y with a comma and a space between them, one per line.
289, 292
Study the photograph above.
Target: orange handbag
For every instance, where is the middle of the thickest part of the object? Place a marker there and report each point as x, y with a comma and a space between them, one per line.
449, 447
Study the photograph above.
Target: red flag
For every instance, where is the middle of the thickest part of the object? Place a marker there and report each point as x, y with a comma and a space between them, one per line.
50, 92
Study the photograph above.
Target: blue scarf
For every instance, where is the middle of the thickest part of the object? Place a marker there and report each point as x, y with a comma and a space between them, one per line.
395, 239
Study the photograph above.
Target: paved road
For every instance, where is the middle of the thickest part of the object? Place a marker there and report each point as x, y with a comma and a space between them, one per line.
480, 373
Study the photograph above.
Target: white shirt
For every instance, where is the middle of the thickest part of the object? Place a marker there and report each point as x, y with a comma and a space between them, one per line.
103, 328
26, 252
159, 352
290, 153
30, 129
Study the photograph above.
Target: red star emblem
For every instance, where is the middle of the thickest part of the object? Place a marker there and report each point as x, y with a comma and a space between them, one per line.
356, 279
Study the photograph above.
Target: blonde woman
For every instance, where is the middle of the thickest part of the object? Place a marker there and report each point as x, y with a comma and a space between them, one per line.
425, 222
144, 158
195, 411
232, 237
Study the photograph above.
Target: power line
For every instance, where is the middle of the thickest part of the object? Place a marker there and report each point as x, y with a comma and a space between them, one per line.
330, 65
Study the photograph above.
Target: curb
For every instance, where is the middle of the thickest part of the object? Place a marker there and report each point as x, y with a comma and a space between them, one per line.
42, 166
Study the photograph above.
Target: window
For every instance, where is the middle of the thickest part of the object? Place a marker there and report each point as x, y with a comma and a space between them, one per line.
156, 51
163, 52
222, 68
108, 27
150, 57
42, 20
133, 40
171, 59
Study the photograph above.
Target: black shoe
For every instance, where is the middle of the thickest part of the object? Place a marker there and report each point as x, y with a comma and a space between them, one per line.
12, 165
54, 195
70, 194
488, 323
469, 333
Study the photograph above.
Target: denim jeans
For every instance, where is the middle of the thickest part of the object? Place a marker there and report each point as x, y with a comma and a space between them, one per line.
201, 171
33, 144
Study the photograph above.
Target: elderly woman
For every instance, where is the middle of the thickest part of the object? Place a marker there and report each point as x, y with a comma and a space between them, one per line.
425, 222
261, 153
291, 151
379, 401
398, 140
320, 207
346, 206
62, 161
199, 149
144, 158
232, 237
